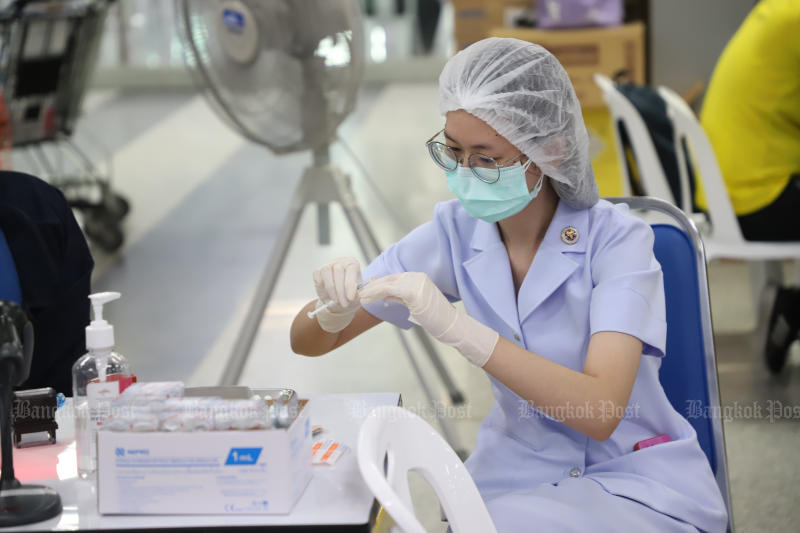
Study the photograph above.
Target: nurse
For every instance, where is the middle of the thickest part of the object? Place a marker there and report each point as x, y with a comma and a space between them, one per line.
564, 310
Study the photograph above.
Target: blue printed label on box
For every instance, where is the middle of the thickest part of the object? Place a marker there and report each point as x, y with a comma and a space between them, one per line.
243, 456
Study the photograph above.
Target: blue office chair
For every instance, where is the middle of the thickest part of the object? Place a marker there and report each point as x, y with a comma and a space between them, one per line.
689, 372
21, 504
11, 308
9, 281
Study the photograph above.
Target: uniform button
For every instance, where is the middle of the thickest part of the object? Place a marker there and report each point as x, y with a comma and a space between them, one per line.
575, 472
516, 337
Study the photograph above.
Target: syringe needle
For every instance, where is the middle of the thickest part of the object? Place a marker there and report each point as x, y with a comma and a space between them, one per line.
312, 314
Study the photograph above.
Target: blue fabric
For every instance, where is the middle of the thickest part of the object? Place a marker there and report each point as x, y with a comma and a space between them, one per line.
683, 372
10, 289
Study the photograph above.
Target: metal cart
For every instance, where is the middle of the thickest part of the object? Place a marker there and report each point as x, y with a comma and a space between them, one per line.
47, 53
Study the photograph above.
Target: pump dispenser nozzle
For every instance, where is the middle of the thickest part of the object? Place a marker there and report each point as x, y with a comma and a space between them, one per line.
100, 334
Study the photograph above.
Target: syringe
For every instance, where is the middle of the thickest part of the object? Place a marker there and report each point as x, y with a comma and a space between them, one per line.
312, 314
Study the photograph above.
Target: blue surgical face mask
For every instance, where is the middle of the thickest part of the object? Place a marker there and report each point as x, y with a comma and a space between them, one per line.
493, 201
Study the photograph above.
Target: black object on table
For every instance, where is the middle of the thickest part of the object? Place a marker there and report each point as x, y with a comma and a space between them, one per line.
19, 504
35, 411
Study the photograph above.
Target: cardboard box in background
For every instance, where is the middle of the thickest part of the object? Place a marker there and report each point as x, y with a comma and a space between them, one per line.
475, 18
585, 51
211, 472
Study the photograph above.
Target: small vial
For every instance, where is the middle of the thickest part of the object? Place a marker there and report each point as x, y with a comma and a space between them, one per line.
286, 409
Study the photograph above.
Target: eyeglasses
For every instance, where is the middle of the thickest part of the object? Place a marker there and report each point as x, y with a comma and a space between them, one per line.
484, 167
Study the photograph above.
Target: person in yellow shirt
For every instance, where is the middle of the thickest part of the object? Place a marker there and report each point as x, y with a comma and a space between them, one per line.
751, 114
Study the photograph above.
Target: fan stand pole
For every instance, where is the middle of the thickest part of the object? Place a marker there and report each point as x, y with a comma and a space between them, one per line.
323, 184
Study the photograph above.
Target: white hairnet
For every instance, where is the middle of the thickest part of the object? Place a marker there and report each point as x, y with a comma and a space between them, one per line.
522, 91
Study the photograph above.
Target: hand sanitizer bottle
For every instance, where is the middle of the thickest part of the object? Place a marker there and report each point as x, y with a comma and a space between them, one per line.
97, 378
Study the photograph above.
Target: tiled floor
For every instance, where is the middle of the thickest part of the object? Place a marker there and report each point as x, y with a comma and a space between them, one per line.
207, 206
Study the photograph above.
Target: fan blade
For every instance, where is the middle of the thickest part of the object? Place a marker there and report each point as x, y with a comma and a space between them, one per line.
283, 73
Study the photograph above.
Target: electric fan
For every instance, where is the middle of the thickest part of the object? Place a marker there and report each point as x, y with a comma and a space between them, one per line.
285, 74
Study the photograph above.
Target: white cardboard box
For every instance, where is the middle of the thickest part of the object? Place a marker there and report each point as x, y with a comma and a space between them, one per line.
214, 472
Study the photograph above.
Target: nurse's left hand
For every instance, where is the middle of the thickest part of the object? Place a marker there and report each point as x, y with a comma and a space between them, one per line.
430, 309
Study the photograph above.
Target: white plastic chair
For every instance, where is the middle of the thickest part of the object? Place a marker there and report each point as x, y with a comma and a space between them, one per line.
653, 180
725, 239
409, 444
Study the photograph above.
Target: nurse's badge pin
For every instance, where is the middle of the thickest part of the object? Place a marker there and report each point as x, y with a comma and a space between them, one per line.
569, 235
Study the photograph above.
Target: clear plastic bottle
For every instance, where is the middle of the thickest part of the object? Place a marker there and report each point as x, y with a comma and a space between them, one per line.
97, 378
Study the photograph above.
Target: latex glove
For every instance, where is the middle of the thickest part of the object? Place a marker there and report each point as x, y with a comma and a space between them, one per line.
430, 309
337, 282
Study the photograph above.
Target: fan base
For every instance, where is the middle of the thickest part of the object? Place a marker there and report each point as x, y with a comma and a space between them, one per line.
27, 504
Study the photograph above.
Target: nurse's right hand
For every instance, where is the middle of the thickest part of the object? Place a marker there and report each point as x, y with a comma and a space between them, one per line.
337, 283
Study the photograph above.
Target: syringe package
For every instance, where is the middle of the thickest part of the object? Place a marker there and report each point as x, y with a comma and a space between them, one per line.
161, 406
202, 455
